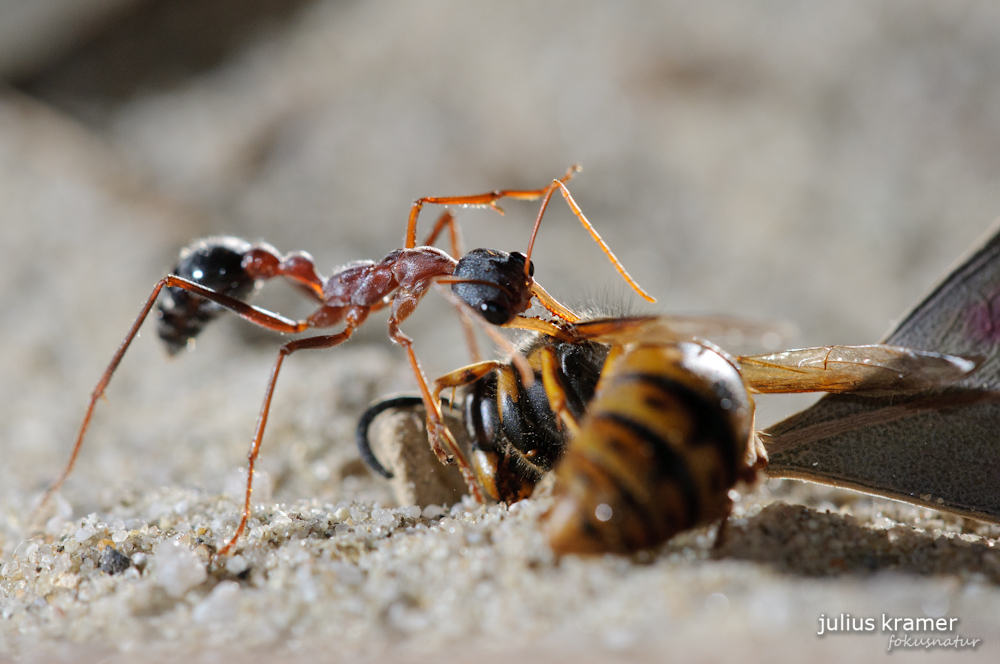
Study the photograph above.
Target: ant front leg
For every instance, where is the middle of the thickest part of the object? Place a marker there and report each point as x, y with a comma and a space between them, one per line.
455, 236
441, 439
354, 318
253, 314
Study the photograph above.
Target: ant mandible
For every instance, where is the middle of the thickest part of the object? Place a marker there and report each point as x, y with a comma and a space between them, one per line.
220, 273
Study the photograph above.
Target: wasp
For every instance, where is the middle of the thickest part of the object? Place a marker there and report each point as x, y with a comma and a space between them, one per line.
516, 438
670, 429
222, 273
649, 431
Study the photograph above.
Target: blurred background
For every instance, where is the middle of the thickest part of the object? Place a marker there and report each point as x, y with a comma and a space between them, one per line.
822, 163
818, 163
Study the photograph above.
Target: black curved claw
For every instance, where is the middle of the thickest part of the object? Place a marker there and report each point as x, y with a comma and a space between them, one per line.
376, 409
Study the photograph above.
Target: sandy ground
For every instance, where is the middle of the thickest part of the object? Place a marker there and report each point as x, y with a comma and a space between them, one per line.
822, 165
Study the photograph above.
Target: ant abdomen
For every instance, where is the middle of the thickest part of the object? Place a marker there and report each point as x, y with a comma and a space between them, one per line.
214, 262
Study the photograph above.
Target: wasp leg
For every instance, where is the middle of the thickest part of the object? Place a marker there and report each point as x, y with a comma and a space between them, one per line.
720, 533
756, 461
485, 464
756, 452
464, 376
555, 390
484, 469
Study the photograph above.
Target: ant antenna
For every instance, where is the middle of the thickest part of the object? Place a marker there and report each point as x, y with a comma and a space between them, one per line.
590, 229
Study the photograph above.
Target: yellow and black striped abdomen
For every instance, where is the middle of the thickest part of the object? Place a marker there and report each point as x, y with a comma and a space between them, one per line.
663, 441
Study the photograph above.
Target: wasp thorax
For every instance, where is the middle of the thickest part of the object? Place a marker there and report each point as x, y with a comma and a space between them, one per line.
215, 262
494, 283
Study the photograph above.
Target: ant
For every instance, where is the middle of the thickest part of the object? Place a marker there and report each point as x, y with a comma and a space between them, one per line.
219, 273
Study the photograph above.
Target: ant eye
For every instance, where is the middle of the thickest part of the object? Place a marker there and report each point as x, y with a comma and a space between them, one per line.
518, 257
494, 313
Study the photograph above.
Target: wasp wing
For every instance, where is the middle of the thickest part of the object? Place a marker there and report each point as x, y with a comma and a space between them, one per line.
728, 332
940, 447
871, 370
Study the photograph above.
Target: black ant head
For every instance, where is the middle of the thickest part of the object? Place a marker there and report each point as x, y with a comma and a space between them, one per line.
494, 283
215, 262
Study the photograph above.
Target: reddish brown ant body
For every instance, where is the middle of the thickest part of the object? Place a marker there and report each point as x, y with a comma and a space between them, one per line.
220, 273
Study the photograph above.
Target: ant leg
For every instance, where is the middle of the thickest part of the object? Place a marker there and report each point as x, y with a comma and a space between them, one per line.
251, 313
488, 199
442, 441
438, 431
454, 234
248, 312
484, 463
448, 219
310, 343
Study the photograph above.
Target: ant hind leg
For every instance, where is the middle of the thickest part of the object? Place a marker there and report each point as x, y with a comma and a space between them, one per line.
253, 314
310, 343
